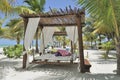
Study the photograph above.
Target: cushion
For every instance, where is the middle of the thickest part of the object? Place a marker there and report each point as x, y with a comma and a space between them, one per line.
64, 52
57, 54
53, 50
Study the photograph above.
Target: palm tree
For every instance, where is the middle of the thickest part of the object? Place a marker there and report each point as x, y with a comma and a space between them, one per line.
88, 34
5, 6
63, 38
107, 12
59, 39
103, 30
1, 29
22, 10
1, 32
37, 6
14, 30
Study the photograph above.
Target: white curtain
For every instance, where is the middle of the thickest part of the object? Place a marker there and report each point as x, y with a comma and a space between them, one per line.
41, 43
30, 31
72, 33
46, 35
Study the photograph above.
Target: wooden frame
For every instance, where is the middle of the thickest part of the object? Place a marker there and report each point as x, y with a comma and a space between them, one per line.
67, 17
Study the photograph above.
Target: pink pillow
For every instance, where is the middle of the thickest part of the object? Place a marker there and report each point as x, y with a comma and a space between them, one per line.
64, 52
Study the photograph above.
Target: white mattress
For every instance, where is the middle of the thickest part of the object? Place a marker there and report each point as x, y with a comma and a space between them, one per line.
54, 58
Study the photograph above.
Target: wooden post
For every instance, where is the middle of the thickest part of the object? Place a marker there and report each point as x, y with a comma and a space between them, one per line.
42, 40
37, 50
71, 61
80, 43
25, 55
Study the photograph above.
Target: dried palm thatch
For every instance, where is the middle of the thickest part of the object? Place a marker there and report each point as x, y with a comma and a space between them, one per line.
66, 17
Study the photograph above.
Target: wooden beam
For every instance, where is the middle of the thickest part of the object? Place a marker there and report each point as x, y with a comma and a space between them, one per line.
80, 42
72, 52
58, 25
25, 55
60, 34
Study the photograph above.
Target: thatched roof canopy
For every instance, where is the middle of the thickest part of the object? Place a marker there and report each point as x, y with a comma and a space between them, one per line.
65, 17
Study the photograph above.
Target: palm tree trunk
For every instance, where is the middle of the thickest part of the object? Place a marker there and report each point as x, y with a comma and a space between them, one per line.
99, 42
106, 55
118, 57
95, 44
18, 40
91, 44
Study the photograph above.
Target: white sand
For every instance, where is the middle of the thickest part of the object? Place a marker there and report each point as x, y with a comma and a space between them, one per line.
1, 50
10, 69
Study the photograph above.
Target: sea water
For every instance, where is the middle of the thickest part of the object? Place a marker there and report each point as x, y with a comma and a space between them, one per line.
7, 42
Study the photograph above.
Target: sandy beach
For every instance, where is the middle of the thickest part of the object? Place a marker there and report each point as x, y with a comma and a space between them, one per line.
11, 69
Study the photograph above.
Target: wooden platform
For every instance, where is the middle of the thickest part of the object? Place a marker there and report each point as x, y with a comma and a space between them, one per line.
87, 65
52, 62
52, 59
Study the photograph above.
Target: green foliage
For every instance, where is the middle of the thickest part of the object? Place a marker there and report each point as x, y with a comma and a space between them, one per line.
108, 45
106, 13
36, 5
14, 26
104, 56
13, 51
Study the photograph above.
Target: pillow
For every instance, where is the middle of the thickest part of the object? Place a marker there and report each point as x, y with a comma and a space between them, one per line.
53, 51
64, 52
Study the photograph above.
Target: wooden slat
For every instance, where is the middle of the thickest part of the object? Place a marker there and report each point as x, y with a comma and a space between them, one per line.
60, 33
57, 62
58, 25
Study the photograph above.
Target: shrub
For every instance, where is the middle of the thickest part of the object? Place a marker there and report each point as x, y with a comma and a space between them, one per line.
107, 46
13, 51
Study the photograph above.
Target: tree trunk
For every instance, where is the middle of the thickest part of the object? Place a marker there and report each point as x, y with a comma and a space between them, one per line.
99, 44
18, 40
91, 45
106, 55
95, 44
118, 57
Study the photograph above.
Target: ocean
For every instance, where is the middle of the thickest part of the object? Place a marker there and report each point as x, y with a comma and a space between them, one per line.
7, 42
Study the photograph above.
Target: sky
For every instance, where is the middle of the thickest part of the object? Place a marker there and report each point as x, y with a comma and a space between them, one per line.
49, 3
59, 4
55, 4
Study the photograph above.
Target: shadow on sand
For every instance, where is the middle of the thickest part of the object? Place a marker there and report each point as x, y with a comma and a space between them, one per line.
66, 72
51, 72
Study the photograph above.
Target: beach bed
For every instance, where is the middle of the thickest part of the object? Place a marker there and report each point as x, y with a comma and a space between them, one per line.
51, 58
